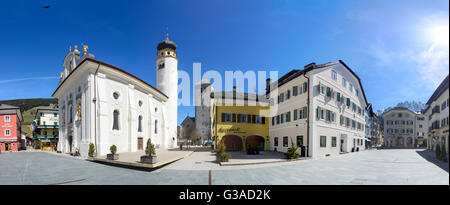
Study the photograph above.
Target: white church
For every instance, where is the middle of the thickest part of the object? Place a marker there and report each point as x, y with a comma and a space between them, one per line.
105, 105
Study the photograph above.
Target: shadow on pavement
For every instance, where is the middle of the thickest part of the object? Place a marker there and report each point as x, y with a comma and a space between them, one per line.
430, 156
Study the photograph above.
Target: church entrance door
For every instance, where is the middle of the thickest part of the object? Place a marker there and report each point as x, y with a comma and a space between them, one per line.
140, 143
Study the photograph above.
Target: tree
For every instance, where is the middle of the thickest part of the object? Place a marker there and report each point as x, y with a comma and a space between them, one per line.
292, 152
150, 149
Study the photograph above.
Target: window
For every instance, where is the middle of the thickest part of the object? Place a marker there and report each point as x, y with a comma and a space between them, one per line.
357, 92
300, 140
296, 114
334, 75
116, 95
333, 141
341, 120
140, 124
275, 141
281, 98
338, 97
329, 92
7, 132
161, 65
288, 94
305, 112
348, 102
227, 117
115, 120
273, 121
305, 86
156, 126
288, 116
351, 87
243, 118
295, 91
323, 141
344, 82
347, 122
140, 103
55, 115
278, 119
285, 141
7, 118
282, 118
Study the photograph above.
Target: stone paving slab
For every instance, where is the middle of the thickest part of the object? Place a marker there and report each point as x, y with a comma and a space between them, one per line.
379, 167
132, 159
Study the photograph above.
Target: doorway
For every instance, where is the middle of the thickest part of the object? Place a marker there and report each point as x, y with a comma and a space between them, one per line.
7, 147
140, 143
70, 144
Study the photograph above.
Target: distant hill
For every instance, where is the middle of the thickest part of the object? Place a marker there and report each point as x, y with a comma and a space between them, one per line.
28, 108
26, 104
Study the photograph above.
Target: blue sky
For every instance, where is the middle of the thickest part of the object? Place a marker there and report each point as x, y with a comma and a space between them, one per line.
395, 47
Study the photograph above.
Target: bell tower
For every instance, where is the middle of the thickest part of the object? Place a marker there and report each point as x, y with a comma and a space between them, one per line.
167, 82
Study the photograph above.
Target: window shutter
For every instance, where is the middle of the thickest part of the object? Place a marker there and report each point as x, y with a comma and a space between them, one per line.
305, 110
263, 120
305, 85
295, 114
233, 118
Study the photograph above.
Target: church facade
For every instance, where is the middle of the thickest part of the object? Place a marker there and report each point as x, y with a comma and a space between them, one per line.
105, 105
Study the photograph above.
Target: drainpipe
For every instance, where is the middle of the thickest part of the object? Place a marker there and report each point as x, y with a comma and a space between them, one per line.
309, 111
95, 109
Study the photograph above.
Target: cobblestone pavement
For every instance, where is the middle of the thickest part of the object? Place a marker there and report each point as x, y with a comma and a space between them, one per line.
402, 166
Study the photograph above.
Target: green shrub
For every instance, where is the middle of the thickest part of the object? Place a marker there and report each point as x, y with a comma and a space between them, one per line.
292, 152
91, 148
220, 151
150, 149
438, 151
113, 149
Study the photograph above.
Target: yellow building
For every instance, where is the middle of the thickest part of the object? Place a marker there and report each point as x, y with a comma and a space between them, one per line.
240, 120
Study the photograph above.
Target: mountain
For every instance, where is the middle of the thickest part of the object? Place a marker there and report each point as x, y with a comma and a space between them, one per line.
26, 104
412, 105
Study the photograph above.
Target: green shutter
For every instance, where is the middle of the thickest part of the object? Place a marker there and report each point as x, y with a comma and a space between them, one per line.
305, 85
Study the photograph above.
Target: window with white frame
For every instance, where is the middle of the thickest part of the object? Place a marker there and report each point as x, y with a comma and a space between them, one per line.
7, 118
351, 87
7, 132
334, 75
344, 82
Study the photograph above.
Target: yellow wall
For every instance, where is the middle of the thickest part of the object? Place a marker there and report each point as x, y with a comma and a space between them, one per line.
221, 129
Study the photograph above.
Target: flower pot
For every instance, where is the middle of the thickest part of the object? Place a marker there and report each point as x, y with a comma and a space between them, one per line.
93, 154
148, 159
112, 156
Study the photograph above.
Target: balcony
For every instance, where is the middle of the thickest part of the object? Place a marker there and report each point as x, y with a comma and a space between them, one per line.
47, 126
45, 137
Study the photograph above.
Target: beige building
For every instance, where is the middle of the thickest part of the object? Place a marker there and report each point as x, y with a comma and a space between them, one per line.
403, 128
437, 115
320, 108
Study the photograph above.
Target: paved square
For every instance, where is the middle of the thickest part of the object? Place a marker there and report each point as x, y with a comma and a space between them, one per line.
402, 166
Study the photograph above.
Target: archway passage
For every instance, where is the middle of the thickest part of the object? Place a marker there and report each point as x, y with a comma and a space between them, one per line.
232, 143
255, 141
400, 142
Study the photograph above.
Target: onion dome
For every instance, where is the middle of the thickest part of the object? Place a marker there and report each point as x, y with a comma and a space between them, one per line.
167, 44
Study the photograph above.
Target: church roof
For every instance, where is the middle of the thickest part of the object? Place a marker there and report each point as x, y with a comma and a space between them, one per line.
167, 44
110, 67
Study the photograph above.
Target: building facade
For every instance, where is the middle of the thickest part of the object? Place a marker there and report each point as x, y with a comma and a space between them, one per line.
240, 120
403, 128
436, 113
320, 108
10, 130
202, 120
105, 105
187, 129
46, 124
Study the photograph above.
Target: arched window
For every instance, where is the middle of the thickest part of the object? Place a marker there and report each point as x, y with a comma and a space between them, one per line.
140, 124
156, 126
116, 120
70, 114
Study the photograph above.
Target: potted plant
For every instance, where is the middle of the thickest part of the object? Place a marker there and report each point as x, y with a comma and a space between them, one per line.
92, 150
150, 154
113, 155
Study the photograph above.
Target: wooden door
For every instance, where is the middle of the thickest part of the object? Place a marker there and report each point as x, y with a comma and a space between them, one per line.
140, 143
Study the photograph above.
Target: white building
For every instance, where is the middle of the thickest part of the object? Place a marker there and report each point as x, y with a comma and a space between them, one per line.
105, 105
320, 107
403, 128
436, 113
